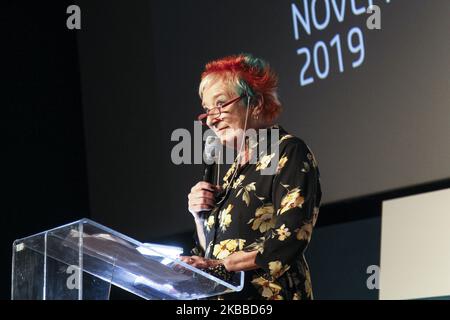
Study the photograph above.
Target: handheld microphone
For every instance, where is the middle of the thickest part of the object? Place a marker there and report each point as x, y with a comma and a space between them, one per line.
210, 158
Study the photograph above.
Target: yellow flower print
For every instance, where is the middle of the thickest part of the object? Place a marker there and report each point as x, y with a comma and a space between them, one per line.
312, 158
276, 268
268, 289
225, 217
257, 245
209, 223
264, 162
227, 247
285, 138
292, 199
276, 297
315, 215
306, 167
304, 233
308, 285
296, 296
250, 187
264, 218
246, 192
238, 181
281, 163
283, 233
227, 175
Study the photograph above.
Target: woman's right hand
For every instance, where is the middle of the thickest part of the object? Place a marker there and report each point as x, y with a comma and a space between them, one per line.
202, 197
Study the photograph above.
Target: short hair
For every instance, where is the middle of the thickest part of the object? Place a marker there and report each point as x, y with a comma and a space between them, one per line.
249, 75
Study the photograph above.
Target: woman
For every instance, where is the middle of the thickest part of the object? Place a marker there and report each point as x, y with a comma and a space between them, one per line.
258, 223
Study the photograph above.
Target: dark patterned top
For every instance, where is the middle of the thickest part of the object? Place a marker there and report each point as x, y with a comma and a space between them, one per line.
274, 214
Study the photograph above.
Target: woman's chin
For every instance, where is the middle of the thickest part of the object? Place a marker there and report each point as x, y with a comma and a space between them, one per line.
225, 141
228, 141
224, 138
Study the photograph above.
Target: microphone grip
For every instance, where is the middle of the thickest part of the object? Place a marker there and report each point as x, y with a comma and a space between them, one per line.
208, 176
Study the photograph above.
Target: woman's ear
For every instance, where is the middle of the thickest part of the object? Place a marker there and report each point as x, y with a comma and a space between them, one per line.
258, 103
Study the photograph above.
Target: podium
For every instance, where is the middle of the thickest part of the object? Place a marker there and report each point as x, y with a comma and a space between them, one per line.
81, 260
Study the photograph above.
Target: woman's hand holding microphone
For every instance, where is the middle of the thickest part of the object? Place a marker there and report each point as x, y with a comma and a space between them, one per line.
202, 198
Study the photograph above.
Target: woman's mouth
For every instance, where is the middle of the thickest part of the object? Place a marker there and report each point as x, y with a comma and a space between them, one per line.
222, 129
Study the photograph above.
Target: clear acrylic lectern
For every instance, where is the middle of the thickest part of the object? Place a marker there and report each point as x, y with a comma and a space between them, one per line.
81, 260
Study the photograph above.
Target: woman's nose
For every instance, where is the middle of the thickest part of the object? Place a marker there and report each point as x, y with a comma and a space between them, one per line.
212, 121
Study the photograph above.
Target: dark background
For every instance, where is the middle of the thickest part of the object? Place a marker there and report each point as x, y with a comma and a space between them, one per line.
90, 114
44, 159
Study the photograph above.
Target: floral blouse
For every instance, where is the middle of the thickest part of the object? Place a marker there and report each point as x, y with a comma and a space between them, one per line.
274, 214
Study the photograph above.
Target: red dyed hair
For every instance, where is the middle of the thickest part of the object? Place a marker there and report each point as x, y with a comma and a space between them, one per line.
252, 76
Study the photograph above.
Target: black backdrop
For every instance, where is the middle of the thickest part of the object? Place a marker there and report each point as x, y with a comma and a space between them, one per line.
44, 160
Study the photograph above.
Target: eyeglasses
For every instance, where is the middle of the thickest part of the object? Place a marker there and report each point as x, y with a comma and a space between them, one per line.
215, 112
